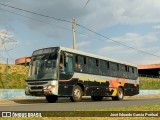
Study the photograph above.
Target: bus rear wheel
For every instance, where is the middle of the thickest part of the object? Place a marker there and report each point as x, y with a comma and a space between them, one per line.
76, 94
97, 98
51, 98
120, 94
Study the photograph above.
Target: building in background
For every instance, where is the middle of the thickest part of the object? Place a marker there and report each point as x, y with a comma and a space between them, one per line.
150, 70
23, 61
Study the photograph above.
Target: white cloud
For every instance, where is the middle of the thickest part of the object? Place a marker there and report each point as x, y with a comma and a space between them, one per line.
97, 14
83, 35
6, 38
109, 49
148, 43
82, 44
108, 12
156, 27
137, 40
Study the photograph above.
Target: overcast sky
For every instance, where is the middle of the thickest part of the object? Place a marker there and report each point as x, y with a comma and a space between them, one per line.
135, 23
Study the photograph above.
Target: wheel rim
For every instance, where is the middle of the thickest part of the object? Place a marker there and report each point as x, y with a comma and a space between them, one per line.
77, 93
120, 94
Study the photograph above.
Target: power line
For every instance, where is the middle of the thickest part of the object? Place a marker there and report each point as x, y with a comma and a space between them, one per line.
79, 26
116, 41
87, 3
39, 14
7, 52
41, 21
36, 19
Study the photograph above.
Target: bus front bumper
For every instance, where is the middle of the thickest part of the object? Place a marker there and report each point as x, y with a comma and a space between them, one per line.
41, 90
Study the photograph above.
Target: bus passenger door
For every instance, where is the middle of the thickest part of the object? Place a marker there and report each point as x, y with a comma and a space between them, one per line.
69, 64
65, 85
66, 66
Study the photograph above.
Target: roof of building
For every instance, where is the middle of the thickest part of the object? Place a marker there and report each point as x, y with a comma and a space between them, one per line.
22, 60
149, 66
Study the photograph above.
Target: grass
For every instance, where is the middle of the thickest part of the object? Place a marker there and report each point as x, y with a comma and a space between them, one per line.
17, 75
149, 83
84, 118
134, 108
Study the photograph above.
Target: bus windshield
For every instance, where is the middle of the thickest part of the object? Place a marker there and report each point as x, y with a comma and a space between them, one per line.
43, 67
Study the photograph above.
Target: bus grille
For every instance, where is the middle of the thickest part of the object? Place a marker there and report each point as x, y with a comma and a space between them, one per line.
38, 83
36, 87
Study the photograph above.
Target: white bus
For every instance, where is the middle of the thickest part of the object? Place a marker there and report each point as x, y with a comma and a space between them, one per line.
62, 72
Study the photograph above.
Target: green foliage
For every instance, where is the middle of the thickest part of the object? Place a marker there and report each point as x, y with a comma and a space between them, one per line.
17, 80
147, 83
16, 76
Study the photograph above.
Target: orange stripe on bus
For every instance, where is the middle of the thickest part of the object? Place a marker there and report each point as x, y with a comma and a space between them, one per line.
117, 80
113, 83
123, 82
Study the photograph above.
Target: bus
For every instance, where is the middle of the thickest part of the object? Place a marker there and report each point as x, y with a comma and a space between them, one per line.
63, 72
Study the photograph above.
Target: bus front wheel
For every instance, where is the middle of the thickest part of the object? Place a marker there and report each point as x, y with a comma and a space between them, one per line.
76, 94
51, 98
120, 94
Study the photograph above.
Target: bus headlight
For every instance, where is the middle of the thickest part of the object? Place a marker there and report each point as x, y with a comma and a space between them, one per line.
49, 87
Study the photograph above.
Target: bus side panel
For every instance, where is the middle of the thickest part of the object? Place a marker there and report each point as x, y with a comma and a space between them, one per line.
91, 88
131, 89
66, 87
97, 88
65, 90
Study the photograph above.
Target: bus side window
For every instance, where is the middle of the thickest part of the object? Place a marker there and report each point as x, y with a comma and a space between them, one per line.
79, 63
84, 66
69, 65
103, 67
89, 65
97, 67
62, 66
108, 66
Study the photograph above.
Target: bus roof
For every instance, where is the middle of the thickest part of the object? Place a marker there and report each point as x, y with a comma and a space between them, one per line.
94, 56
87, 54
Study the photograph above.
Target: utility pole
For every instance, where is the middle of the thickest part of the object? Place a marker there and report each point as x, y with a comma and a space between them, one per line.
7, 74
73, 33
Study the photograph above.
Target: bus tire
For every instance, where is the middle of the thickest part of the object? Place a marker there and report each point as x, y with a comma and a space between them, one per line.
52, 98
97, 98
120, 94
76, 94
